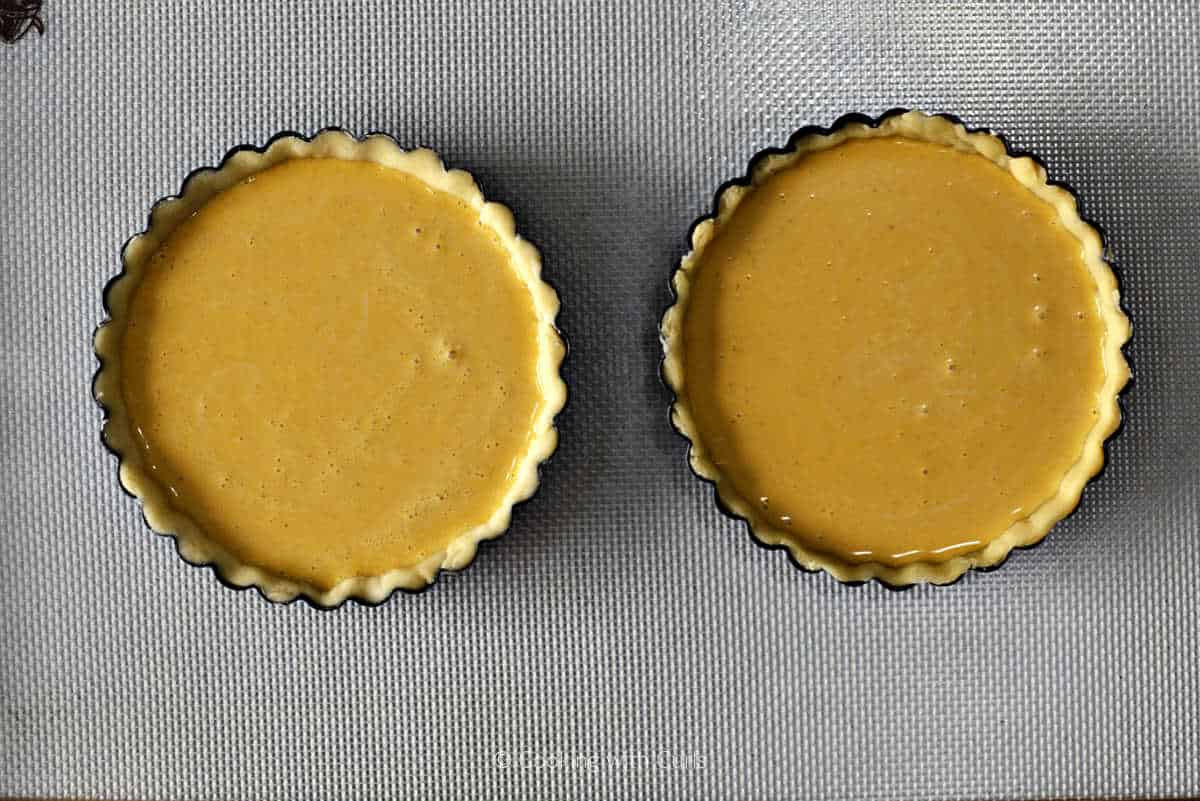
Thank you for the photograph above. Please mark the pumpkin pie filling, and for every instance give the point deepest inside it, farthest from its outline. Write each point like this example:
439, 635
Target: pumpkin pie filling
332, 369
892, 352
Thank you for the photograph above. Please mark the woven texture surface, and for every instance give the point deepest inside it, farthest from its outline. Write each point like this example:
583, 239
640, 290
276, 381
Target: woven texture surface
624, 639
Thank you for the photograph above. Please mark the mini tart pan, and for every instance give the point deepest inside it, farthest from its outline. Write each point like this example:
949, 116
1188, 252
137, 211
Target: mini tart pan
1029, 170
199, 187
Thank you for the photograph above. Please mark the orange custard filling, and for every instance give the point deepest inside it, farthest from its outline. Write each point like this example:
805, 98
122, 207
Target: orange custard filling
332, 369
892, 351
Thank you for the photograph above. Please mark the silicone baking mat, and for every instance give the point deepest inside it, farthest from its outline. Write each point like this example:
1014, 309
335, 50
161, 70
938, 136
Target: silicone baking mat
624, 639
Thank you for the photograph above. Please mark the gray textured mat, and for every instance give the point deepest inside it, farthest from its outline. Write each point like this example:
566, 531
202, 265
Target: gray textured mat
624, 639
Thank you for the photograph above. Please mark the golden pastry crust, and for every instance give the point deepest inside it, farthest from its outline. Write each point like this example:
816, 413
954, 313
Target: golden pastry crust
946, 131
192, 543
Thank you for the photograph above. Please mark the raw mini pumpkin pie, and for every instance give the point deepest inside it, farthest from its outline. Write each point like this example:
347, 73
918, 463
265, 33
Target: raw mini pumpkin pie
331, 368
896, 350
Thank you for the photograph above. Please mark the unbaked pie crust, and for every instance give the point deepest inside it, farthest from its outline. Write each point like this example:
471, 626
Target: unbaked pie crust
949, 132
200, 187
